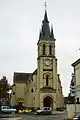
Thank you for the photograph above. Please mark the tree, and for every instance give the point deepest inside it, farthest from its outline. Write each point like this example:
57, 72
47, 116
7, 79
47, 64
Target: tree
71, 96
73, 85
4, 90
71, 99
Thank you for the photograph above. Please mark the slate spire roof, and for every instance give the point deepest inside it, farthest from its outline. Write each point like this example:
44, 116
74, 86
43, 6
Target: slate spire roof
52, 34
45, 17
45, 32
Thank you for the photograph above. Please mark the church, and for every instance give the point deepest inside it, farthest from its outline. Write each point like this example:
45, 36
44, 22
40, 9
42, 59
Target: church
42, 88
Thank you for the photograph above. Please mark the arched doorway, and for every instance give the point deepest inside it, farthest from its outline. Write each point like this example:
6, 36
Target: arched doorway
48, 102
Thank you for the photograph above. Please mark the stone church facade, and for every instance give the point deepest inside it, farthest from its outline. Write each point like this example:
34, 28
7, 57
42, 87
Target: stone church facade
42, 88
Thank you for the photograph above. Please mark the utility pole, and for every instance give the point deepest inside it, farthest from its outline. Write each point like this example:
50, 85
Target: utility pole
75, 89
75, 104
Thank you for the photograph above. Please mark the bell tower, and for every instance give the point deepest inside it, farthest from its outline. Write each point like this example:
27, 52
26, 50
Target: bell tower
46, 65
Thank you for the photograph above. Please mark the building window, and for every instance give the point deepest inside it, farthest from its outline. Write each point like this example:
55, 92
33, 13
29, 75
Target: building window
13, 93
44, 33
50, 50
32, 90
43, 49
78, 100
29, 81
47, 78
34, 98
32, 79
13, 84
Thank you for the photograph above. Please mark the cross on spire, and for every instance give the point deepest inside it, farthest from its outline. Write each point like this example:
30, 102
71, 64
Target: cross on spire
45, 5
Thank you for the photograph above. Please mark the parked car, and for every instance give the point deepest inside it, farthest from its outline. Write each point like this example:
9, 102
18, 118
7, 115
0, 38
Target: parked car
7, 109
77, 117
17, 107
44, 111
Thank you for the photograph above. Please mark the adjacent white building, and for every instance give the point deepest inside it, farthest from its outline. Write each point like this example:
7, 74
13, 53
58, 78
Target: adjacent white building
74, 109
76, 66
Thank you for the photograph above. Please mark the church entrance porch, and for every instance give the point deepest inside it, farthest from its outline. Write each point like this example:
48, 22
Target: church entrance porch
48, 102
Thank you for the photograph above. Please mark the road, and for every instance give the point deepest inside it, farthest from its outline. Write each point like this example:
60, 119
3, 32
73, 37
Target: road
47, 117
58, 116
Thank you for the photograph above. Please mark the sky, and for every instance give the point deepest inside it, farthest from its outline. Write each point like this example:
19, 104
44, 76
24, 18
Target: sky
20, 23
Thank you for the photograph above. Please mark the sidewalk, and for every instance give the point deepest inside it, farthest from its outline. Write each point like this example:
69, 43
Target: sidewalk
61, 113
9, 117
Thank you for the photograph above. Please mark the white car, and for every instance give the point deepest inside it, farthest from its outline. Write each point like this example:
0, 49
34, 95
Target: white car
44, 111
77, 117
7, 109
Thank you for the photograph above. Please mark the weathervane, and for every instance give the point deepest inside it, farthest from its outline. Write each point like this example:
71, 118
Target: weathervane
45, 5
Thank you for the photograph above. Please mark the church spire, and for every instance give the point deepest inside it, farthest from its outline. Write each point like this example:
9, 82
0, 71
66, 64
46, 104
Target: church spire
45, 32
52, 35
39, 35
45, 17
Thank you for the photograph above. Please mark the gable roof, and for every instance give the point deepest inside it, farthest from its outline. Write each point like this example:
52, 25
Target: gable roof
35, 72
76, 62
21, 77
